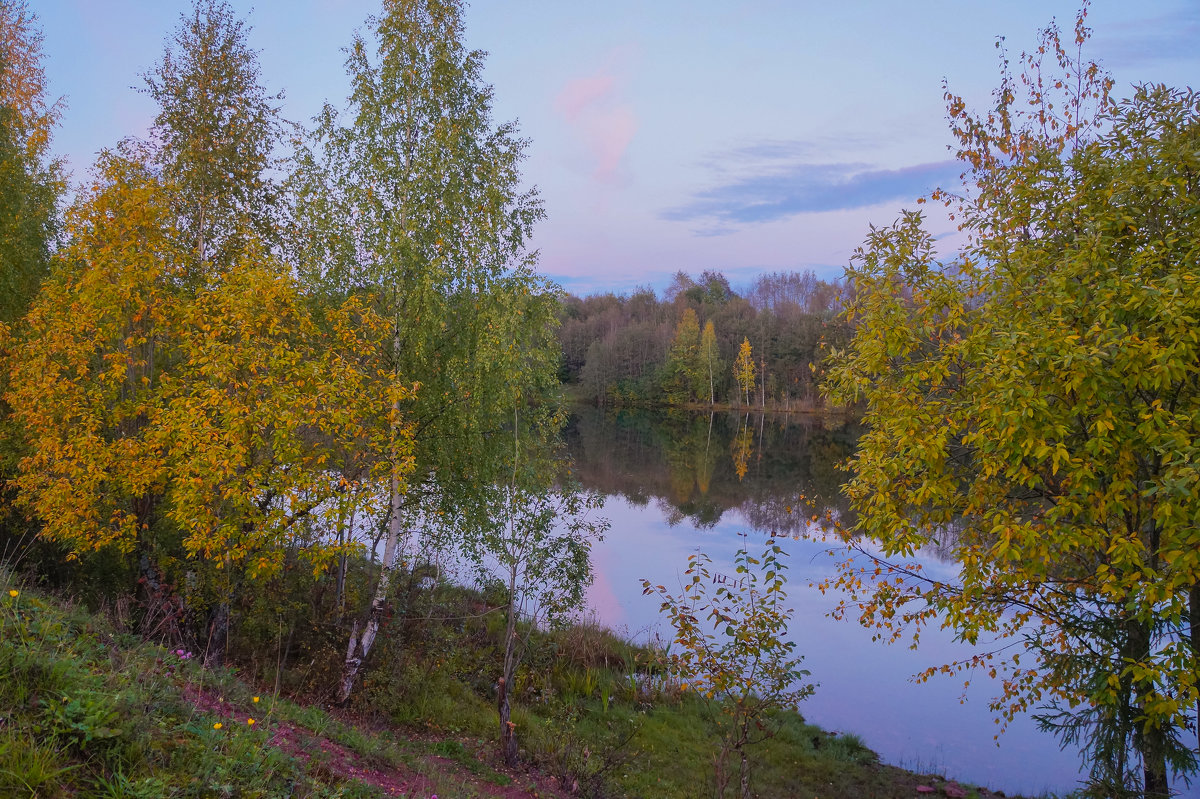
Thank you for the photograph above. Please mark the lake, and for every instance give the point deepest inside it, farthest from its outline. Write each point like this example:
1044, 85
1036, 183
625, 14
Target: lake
678, 483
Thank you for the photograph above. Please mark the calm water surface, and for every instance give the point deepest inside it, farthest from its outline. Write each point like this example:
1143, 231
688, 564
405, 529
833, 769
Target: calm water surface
678, 484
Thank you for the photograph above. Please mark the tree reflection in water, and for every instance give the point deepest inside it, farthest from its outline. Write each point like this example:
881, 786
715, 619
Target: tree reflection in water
778, 470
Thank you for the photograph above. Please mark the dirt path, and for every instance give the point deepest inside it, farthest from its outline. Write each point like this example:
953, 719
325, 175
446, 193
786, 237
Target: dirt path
333, 763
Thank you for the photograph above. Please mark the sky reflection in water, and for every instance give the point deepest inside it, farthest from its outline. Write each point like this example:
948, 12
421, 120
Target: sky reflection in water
653, 471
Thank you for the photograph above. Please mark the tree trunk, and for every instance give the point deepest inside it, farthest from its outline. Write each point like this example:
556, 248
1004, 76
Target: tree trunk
1157, 786
1148, 739
218, 636
508, 730
1154, 747
360, 647
720, 772
762, 380
1194, 603
712, 392
200, 240
161, 611
344, 536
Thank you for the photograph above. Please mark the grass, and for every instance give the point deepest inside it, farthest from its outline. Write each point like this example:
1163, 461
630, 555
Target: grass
597, 713
86, 711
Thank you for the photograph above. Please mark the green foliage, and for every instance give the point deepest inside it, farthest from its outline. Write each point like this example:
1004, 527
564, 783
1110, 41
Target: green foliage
683, 373
214, 134
33, 767
1032, 410
439, 250
732, 652
30, 182
541, 548
440, 244
82, 719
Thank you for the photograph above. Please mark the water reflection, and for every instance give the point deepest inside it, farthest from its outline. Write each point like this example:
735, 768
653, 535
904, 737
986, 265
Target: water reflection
777, 471
684, 482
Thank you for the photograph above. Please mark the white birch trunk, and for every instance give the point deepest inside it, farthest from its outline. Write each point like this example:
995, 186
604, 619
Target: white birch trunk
360, 646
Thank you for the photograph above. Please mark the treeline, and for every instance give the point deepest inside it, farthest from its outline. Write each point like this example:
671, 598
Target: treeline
243, 349
703, 343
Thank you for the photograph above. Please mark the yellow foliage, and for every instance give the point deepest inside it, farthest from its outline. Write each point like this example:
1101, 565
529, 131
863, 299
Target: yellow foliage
218, 410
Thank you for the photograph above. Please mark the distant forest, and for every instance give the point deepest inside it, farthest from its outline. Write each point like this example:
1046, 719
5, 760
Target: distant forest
702, 343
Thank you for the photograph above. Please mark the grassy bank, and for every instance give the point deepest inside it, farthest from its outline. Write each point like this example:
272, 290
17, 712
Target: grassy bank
87, 710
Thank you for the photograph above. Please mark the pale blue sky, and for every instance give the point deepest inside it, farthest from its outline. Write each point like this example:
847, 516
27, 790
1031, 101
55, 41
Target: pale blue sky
665, 135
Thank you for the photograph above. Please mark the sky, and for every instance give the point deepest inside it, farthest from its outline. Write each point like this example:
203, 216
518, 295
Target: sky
665, 135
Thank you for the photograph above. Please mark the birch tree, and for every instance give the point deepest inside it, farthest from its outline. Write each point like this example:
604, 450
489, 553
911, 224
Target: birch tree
30, 180
711, 359
744, 370
412, 198
214, 134
540, 548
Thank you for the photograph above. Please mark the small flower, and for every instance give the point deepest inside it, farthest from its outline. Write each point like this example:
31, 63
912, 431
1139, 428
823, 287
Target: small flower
218, 726
249, 722
255, 700
14, 593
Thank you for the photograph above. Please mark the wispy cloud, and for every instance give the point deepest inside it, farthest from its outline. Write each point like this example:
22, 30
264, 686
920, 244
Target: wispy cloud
1166, 36
770, 153
592, 105
791, 189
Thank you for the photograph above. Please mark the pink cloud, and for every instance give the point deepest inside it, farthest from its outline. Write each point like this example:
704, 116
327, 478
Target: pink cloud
609, 137
580, 93
601, 120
